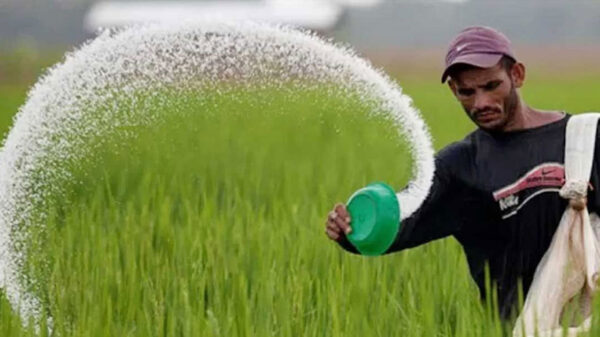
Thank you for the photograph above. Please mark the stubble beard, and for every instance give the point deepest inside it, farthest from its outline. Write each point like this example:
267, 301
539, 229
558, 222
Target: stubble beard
509, 108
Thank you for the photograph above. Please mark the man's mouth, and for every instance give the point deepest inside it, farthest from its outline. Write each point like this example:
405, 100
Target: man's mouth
486, 116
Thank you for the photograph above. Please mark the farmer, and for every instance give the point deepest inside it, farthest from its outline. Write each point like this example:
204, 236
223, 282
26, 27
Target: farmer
495, 191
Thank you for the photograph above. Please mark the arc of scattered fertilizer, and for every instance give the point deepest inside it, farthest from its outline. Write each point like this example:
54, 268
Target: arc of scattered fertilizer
52, 125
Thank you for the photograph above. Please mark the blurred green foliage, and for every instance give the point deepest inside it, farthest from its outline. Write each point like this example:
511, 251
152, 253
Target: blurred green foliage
211, 223
21, 66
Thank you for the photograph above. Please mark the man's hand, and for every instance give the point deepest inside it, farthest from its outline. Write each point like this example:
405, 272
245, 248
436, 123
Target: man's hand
338, 223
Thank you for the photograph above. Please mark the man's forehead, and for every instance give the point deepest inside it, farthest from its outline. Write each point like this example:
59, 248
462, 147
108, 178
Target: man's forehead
478, 76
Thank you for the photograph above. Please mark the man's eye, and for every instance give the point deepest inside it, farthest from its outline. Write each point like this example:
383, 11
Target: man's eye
466, 92
492, 85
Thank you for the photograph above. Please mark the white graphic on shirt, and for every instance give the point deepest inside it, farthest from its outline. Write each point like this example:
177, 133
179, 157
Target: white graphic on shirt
546, 177
511, 200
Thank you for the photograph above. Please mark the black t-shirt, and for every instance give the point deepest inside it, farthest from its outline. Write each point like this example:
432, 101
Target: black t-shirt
497, 194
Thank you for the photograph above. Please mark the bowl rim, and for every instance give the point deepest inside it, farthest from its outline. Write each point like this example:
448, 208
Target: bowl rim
378, 241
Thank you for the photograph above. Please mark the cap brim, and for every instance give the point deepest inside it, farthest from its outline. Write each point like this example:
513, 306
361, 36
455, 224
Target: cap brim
477, 60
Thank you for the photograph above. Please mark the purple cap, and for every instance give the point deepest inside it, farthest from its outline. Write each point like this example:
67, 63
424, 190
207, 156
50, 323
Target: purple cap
479, 46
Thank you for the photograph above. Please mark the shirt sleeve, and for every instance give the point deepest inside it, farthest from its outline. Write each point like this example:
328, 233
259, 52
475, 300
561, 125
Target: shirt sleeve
436, 218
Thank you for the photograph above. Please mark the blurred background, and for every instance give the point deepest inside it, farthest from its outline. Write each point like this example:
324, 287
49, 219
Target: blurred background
558, 40
399, 35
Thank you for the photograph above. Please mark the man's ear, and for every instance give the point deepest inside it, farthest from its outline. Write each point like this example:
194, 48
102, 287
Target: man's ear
517, 73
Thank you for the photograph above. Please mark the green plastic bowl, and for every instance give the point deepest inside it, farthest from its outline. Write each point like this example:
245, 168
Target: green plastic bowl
375, 218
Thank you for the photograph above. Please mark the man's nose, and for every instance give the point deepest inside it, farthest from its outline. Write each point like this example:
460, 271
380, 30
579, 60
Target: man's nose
482, 101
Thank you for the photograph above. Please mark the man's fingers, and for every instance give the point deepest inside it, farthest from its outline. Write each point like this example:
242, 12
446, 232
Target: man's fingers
343, 225
338, 222
332, 219
335, 220
342, 218
341, 210
332, 226
332, 235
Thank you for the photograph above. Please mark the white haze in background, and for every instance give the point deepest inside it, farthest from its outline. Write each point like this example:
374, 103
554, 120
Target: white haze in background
316, 15
348, 3
85, 98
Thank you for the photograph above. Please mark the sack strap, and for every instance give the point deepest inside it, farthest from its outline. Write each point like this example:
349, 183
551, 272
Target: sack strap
579, 157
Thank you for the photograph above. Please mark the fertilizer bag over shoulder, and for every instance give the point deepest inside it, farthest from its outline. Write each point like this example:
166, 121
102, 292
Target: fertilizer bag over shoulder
567, 274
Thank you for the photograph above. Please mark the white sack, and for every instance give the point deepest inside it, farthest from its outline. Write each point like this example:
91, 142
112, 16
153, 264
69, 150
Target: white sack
569, 270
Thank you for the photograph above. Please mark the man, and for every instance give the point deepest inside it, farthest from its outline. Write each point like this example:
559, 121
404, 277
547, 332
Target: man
496, 191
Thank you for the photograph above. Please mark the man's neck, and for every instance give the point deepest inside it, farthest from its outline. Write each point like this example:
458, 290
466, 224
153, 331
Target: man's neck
526, 117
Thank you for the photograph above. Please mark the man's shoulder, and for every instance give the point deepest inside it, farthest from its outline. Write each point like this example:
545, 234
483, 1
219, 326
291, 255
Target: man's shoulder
458, 150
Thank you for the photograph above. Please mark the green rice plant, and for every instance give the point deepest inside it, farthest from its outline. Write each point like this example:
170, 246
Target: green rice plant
211, 223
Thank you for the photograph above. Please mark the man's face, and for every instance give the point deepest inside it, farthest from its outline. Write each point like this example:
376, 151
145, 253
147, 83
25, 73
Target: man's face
488, 95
